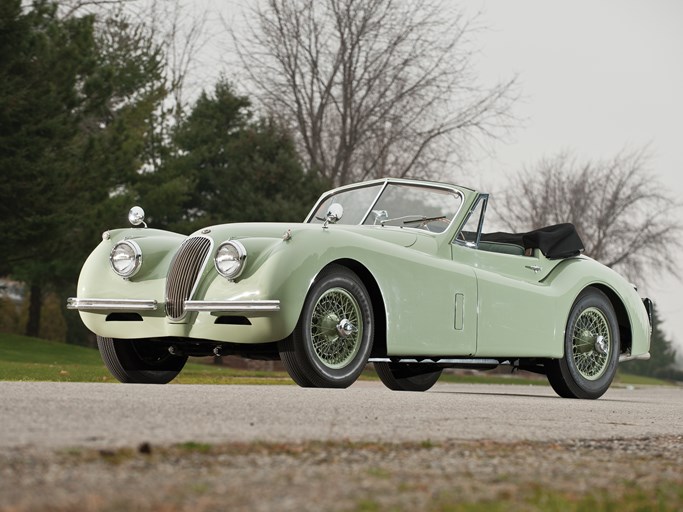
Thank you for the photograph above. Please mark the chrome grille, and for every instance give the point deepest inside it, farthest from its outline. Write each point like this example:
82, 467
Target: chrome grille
183, 274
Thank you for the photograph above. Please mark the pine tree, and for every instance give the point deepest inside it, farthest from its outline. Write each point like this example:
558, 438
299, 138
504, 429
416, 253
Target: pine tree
662, 362
243, 169
75, 107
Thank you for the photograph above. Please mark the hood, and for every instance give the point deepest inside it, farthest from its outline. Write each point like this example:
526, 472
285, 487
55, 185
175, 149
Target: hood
277, 230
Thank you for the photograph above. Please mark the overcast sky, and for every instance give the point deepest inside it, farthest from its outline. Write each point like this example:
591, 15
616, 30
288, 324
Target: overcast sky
595, 77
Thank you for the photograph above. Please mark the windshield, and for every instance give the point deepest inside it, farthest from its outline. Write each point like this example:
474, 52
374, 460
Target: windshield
398, 204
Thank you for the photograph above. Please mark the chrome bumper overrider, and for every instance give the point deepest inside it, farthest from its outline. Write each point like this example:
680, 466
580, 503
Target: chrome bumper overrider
218, 306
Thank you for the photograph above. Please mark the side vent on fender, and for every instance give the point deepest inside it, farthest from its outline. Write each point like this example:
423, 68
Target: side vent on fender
459, 313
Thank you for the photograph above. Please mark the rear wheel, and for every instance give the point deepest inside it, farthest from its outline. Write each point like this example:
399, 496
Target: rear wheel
140, 361
591, 349
332, 341
408, 376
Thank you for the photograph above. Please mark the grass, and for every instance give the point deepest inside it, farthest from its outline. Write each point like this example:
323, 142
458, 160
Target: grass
24, 358
379, 481
31, 359
665, 497
627, 379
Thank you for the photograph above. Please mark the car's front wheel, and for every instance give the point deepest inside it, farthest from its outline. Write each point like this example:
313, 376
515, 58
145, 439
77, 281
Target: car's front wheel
140, 361
591, 349
408, 376
332, 341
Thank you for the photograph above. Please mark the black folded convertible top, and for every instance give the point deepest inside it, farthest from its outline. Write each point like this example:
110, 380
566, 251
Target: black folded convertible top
555, 242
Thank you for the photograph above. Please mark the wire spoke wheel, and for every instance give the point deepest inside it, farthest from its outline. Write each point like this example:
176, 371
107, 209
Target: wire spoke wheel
332, 341
591, 348
336, 328
591, 343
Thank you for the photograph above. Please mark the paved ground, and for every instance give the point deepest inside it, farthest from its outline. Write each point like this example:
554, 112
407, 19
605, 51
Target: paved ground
176, 448
59, 415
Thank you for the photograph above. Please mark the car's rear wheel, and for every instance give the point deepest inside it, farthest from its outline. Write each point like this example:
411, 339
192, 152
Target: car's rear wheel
408, 376
332, 341
140, 361
591, 349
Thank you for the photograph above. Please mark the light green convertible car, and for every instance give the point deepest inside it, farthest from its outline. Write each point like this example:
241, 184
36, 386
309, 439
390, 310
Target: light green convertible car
394, 272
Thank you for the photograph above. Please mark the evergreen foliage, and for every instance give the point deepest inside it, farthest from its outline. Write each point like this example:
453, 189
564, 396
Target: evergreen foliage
85, 134
662, 362
76, 99
242, 169
43, 73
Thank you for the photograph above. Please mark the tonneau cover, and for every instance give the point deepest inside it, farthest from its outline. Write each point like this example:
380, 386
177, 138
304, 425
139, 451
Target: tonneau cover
555, 242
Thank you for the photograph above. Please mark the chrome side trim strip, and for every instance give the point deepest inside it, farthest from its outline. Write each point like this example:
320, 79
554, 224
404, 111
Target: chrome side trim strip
476, 361
111, 304
232, 306
629, 357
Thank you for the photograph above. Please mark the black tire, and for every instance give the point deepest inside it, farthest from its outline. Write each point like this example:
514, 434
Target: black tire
591, 349
140, 361
408, 376
318, 354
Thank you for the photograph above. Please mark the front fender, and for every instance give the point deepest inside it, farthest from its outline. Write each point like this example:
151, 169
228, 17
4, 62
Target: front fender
285, 270
97, 279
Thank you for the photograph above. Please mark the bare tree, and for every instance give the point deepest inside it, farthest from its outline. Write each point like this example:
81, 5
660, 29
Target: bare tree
72, 8
623, 214
181, 28
371, 87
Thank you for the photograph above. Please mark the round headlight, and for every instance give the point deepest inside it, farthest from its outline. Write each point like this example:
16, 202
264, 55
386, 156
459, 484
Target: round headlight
126, 258
230, 259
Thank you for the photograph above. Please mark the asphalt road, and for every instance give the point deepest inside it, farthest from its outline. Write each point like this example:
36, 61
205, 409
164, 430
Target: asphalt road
60, 415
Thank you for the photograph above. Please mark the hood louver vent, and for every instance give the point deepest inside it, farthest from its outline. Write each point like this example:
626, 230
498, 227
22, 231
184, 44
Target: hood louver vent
183, 274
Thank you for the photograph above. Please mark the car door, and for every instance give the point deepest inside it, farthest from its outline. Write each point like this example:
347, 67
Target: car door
515, 306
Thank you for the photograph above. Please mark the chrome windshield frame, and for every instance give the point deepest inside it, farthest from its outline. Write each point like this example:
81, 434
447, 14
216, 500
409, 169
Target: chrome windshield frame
385, 182
374, 202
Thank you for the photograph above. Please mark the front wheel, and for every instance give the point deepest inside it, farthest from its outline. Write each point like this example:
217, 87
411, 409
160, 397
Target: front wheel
408, 376
332, 341
140, 361
591, 349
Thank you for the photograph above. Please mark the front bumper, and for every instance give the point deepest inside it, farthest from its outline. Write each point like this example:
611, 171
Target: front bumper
111, 304
263, 320
212, 306
233, 306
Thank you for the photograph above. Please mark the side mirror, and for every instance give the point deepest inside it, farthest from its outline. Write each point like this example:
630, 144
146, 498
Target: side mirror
136, 216
380, 216
334, 214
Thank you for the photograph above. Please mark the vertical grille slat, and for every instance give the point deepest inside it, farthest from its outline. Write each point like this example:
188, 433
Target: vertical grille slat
183, 274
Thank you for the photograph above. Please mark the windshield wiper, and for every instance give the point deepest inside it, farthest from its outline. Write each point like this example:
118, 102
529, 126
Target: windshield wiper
426, 219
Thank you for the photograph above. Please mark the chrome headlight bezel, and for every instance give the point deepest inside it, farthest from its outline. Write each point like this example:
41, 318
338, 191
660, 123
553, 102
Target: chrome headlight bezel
230, 259
135, 259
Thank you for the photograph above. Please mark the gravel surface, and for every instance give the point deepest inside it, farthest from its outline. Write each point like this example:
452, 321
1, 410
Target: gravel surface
329, 476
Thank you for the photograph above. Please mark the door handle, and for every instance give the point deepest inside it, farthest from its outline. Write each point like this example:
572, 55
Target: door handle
535, 268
